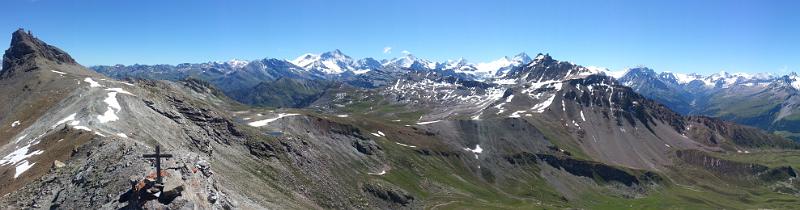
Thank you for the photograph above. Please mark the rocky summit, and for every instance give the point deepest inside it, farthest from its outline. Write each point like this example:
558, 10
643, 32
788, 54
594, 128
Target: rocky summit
24, 48
332, 132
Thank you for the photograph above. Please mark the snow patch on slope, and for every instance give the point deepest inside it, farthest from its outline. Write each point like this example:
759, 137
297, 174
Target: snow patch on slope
22, 167
405, 145
379, 173
113, 107
91, 82
62, 121
331, 66
264, 122
541, 107
478, 150
582, 117
18, 158
427, 122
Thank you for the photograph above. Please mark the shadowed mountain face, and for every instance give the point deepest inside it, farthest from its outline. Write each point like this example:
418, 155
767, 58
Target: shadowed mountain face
545, 134
283, 92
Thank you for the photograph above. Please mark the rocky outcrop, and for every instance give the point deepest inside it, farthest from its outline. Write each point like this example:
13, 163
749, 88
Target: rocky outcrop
202, 124
366, 147
262, 149
24, 48
629, 107
389, 194
737, 134
202, 86
593, 170
736, 170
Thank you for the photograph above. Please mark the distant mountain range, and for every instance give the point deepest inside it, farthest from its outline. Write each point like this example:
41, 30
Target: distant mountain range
239, 78
763, 100
333, 64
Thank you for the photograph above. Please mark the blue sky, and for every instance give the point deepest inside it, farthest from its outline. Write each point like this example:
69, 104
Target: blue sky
682, 36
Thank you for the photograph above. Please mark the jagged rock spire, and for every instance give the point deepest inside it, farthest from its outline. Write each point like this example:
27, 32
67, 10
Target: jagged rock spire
25, 47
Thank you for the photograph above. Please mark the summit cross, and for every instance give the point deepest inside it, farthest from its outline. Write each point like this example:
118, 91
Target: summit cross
157, 156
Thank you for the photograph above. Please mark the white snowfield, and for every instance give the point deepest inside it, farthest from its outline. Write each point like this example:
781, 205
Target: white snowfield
428, 122
582, 116
91, 82
379, 134
405, 145
113, 104
66, 119
80, 127
264, 122
119, 90
516, 114
21, 138
795, 82
541, 107
18, 159
22, 167
478, 150
379, 173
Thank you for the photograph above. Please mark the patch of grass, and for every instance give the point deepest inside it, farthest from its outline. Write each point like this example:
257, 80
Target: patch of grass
446, 183
789, 135
769, 158
696, 189
557, 137
377, 107
744, 109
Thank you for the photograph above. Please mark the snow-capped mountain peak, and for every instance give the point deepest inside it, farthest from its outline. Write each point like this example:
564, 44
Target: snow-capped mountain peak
522, 58
305, 59
335, 55
230, 64
456, 64
605, 71
541, 57
681, 78
615, 74
405, 61
236, 63
333, 62
409, 61
501, 66
365, 65
724, 79
495, 65
795, 80
716, 81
